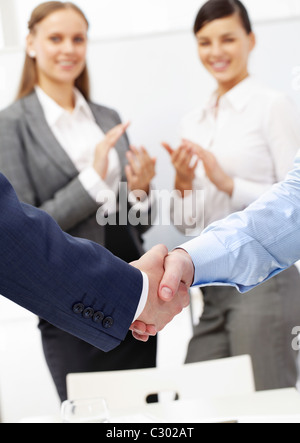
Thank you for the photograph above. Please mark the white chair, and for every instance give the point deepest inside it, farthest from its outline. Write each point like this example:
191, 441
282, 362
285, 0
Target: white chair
130, 389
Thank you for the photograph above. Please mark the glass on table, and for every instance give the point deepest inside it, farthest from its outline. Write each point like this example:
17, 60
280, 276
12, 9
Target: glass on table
92, 410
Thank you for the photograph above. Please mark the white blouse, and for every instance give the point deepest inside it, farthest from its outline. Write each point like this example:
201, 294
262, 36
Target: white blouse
255, 136
79, 134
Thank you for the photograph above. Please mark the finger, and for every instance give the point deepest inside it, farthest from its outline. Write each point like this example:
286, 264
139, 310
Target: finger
134, 164
168, 148
156, 255
116, 133
130, 177
184, 157
140, 157
143, 160
188, 157
187, 142
184, 295
148, 166
139, 327
151, 330
144, 156
196, 148
126, 125
195, 165
134, 149
128, 172
145, 152
199, 151
130, 157
177, 155
139, 337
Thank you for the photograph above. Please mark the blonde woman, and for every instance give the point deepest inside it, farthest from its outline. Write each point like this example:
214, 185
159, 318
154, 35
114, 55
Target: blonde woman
61, 151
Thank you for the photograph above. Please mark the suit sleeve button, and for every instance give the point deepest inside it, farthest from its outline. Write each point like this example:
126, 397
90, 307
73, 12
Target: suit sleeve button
78, 308
98, 317
108, 322
88, 313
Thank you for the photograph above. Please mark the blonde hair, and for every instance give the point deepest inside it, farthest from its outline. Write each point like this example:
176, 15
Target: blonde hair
29, 76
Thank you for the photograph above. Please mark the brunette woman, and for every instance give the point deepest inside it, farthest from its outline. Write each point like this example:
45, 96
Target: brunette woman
234, 148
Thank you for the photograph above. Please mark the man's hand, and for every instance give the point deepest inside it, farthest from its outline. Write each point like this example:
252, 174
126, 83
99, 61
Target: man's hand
213, 169
158, 312
179, 274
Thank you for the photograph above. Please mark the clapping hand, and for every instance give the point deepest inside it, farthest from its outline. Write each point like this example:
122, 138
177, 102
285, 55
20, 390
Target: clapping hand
183, 160
185, 164
102, 150
140, 169
213, 169
170, 276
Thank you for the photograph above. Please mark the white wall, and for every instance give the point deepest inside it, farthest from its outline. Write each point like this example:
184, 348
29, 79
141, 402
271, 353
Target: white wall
119, 18
154, 80
151, 80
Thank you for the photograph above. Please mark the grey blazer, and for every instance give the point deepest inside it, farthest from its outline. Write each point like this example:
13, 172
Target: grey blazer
44, 176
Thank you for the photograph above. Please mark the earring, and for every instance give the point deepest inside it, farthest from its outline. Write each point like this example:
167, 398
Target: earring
32, 54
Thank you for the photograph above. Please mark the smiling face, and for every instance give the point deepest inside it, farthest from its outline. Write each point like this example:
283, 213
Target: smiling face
59, 43
224, 48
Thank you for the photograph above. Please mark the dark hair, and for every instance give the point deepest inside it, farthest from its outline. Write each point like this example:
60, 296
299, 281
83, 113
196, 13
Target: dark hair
29, 75
216, 9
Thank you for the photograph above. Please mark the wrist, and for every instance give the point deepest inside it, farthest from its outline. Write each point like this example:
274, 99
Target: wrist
183, 186
137, 191
228, 186
100, 172
188, 265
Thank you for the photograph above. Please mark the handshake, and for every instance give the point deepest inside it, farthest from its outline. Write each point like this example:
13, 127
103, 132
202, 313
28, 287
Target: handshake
170, 277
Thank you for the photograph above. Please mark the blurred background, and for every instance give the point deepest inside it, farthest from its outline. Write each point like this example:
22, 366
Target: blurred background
143, 62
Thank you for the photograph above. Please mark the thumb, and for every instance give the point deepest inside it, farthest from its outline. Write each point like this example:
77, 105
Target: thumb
167, 148
115, 133
171, 280
160, 250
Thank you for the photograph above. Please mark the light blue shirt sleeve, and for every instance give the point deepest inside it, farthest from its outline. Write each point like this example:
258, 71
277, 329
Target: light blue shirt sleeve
250, 247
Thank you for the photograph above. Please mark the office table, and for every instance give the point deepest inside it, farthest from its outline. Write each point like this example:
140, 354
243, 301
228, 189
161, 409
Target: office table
279, 406
269, 406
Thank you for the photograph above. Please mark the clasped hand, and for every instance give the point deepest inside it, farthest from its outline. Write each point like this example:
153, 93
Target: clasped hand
185, 160
170, 277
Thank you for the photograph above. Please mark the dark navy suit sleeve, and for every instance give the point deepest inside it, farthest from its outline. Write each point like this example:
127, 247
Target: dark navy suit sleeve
75, 284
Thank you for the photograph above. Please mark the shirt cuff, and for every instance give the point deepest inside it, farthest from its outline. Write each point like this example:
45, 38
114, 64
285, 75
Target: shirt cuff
92, 182
144, 297
210, 260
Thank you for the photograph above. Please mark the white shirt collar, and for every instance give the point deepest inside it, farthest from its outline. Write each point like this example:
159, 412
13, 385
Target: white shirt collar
238, 97
53, 112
